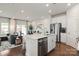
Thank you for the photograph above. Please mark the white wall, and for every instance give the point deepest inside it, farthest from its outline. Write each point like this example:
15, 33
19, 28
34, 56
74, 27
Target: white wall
61, 19
73, 25
45, 25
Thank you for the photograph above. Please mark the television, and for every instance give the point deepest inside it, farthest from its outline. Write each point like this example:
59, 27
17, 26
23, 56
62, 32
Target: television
63, 30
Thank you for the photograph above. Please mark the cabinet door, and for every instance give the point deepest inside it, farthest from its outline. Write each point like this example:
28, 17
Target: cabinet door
53, 41
50, 44
31, 47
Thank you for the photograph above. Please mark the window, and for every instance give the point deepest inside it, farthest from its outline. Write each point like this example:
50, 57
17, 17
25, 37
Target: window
21, 26
4, 28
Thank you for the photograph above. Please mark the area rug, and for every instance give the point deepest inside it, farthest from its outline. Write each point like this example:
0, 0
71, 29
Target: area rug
6, 45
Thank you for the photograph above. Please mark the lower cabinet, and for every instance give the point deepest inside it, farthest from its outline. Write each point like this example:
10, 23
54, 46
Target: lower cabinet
51, 42
40, 46
36, 47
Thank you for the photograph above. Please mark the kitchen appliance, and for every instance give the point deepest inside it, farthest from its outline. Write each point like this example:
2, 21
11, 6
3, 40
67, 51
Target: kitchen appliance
42, 46
56, 29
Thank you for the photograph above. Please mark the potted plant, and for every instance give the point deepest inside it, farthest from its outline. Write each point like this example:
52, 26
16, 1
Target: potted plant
31, 29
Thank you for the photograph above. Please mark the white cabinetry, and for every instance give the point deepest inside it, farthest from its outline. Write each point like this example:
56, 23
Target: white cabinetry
51, 42
63, 37
34, 47
31, 47
35, 44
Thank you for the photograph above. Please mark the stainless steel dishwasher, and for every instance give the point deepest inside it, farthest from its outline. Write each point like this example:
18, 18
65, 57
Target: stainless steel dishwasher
42, 46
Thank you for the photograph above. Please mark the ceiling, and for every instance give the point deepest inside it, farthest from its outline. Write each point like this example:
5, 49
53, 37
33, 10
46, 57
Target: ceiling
31, 11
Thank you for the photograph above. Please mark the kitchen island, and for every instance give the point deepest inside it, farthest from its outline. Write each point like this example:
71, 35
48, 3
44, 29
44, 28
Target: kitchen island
37, 45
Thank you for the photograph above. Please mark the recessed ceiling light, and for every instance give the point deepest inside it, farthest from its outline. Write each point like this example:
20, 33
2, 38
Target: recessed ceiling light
47, 5
69, 4
27, 17
50, 11
22, 11
1, 11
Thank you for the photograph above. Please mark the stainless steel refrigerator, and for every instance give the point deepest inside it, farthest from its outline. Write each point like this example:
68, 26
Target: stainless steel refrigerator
56, 29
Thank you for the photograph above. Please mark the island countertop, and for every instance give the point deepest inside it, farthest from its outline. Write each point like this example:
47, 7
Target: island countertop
35, 36
32, 43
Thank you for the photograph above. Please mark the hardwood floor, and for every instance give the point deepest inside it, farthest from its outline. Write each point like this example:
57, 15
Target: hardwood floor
18, 51
63, 50
60, 50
